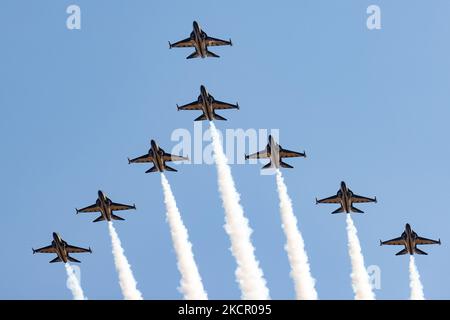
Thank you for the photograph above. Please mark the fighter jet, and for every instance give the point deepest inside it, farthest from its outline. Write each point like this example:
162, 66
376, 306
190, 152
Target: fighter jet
346, 198
275, 153
200, 41
62, 250
105, 206
410, 240
207, 104
159, 157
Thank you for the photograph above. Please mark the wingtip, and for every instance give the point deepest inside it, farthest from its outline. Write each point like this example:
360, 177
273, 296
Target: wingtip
134, 206
34, 251
376, 199
246, 157
317, 201
76, 211
304, 154
129, 160
178, 107
170, 45
439, 241
90, 250
381, 243
237, 106
231, 42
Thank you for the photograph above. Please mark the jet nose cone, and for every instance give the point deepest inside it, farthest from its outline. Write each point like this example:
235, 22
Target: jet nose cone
100, 193
202, 88
408, 226
55, 235
195, 24
342, 183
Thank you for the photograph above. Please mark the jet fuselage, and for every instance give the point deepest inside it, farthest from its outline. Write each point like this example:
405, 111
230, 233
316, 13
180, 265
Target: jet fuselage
207, 103
105, 205
199, 40
158, 160
60, 247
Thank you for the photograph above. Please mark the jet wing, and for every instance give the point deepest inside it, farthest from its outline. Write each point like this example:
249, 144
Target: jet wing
360, 199
258, 155
196, 105
47, 249
420, 240
183, 43
219, 105
290, 154
210, 41
394, 242
172, 157
92, 208
142, 159
73, 249
118, 206
332, 199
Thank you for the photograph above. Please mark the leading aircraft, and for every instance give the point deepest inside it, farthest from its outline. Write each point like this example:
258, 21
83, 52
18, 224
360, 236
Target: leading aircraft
158, 157
275, 153
200, 41
208, 105
105, 206
346, 198
62, 250
410, 240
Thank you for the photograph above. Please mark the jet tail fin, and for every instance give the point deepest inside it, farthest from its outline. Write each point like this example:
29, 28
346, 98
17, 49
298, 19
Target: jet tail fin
402, 252
418, 251
73, 259
285, 165
217, 117
57, 259
211, 54
201, 118
193, 55
114, 217
167, 168
356, 210
101, 218
152, 169
338, 210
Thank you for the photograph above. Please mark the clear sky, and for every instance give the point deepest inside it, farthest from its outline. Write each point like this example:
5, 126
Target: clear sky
369, 107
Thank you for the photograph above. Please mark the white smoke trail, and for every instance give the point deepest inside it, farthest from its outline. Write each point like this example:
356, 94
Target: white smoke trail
126, 278
73, 284
248, 273
295, 246
360, 279
191, 282
415, 284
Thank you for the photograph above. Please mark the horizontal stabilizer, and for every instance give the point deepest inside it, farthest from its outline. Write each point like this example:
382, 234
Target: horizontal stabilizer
402, 252
114, 217
217, 117
167, 168
357, 210
338, 210
193, 55
57, 259
101, 218
211, 54
152, 169
73, 259
268, 166
418, 251
201, 118
285, 165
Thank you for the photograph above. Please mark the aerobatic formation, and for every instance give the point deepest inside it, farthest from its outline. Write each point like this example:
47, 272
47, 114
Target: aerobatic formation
249, 274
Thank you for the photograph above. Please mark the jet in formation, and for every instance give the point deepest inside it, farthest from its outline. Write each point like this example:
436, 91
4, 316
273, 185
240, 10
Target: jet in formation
158, 157
199, 40
275, 153
410, 240
208, 105
62, 250
346, 198
105, 206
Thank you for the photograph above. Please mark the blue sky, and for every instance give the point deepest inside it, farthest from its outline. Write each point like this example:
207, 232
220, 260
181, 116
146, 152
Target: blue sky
369, 107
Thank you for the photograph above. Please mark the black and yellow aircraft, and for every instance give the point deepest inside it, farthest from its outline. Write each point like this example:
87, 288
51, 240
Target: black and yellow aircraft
346, 198
62, 250
105, 206
410, 240
199, 40
275, 153
208, 105
158, 157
